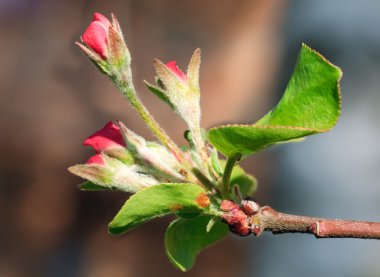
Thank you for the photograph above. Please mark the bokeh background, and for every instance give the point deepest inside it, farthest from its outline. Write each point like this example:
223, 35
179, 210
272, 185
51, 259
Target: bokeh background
52, 97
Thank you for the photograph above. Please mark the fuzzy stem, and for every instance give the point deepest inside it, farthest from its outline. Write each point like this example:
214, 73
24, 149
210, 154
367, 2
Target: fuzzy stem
225, 188
268, 219
200, 147
126, 87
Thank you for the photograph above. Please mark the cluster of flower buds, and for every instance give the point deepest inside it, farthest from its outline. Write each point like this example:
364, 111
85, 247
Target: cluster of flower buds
237, 220
241, 219
125, 161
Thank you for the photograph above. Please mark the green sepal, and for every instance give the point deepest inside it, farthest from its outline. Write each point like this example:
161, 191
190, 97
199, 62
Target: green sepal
160, 93
119, 57
90, 186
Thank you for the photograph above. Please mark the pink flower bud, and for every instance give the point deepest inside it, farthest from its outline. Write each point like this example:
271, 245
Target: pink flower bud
173, 67
96, 159
102, 19
107, 138
96, 34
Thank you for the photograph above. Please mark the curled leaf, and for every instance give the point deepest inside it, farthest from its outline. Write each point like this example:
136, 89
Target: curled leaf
310, 105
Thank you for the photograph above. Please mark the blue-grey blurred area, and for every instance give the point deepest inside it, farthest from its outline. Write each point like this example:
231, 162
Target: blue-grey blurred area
336, 174
52, 98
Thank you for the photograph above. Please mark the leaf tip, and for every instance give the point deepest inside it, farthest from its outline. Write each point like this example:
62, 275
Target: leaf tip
113, 229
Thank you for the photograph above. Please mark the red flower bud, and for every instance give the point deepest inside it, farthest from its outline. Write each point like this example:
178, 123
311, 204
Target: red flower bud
102, 19
96, 159
228, 206
106, 138
96, 35
173, 67
237, 220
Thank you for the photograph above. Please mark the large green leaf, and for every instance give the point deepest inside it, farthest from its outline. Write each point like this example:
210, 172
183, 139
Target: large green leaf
310, 105
156, 201
185, 238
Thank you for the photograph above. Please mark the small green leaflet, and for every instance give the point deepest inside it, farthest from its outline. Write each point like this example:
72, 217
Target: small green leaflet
160, 93
156, 201
185, 238
246, 182
310, 105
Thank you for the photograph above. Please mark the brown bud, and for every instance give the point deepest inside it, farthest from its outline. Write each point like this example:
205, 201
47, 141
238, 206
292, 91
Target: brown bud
250, 207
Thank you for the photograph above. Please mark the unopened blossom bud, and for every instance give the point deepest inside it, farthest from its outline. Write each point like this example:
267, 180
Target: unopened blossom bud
172, 65
96, 159
109, 140
96, 35
155, 158
111, 173
104, 44
107, 137
183, 93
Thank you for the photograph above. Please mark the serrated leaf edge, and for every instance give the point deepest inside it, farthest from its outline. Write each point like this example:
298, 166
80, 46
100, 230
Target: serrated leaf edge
139, 222
298, 128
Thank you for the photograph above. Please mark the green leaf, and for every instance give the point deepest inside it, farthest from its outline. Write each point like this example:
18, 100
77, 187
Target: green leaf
156, 201
246, 182
90, 186
310, 105
185, 238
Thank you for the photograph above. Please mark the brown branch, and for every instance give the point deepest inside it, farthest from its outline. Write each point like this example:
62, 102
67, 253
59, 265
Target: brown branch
268, 219
249, 217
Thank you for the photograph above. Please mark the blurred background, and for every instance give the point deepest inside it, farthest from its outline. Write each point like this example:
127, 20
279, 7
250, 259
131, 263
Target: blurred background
52, 98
